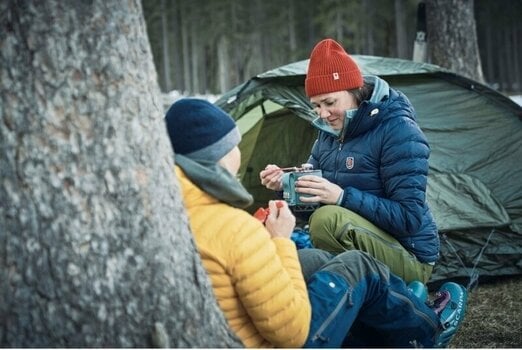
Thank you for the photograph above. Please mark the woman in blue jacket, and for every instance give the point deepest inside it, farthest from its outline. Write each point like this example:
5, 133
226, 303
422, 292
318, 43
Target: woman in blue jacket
374, 161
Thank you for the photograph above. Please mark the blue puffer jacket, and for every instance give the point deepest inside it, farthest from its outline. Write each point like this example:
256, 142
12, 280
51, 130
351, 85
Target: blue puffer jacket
381, 161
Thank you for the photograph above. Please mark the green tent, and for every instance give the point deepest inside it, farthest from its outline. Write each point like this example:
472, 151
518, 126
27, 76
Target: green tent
475, 180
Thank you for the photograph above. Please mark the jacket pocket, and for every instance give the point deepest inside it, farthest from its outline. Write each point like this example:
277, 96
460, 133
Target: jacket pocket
332, 314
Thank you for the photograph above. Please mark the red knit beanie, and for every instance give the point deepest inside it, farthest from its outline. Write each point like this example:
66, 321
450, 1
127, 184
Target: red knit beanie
331, 69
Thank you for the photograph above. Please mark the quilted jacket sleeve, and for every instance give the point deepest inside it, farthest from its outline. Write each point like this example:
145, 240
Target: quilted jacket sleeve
268, 280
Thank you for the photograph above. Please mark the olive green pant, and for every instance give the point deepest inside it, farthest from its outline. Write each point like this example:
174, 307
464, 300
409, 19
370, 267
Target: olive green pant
337, 229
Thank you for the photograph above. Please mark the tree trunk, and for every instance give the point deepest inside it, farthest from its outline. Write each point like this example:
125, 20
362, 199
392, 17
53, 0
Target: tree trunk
489, 54
452, 37
502, 61
400, 29
265, 49
165, 47
420, 49
292, 37
185, 37
95, 248
174, 39
339, 23
223, 64
236, 60
517, 69
194, 59
369, 42
508, 45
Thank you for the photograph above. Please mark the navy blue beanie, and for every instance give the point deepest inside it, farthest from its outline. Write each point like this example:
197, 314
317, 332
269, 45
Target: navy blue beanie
200, 130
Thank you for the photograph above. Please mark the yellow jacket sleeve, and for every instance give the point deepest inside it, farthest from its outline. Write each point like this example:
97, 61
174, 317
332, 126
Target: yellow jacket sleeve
269, 282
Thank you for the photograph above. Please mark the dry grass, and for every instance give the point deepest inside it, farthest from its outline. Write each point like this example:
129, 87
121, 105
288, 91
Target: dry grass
494, 316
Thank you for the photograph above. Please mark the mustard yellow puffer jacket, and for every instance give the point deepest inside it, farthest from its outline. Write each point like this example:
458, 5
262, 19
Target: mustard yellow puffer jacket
257, 280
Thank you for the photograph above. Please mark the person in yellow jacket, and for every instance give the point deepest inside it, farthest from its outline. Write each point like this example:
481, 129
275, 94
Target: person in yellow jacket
254, 270
271, 294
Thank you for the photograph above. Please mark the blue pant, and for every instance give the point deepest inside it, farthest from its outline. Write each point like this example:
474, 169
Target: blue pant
357, 302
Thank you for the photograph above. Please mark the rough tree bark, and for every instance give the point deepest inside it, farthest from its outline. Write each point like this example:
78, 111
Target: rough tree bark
95, 249
452, 37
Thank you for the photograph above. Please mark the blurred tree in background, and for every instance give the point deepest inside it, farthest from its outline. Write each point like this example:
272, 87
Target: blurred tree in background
499, 30
211, 46
453, 37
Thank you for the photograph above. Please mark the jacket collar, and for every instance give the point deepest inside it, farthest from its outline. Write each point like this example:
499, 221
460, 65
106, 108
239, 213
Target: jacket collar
215, 180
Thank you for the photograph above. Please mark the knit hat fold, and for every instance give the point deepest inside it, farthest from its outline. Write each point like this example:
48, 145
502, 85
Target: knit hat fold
331, 69
217, 150
200, 130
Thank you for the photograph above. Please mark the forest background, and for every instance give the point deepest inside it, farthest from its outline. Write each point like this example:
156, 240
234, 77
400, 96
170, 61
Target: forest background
95, 246
208, 47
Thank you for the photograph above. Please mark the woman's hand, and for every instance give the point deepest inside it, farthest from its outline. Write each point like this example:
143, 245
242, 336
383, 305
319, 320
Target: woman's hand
319, 189
280, 222
272, 177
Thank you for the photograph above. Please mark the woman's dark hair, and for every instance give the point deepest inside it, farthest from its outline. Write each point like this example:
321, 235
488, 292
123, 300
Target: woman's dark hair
363, 93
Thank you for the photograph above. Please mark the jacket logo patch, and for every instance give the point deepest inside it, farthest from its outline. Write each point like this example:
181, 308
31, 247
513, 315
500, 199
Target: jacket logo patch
349, 162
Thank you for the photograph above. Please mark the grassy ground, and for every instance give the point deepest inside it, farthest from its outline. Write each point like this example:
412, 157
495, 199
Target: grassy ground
494, 316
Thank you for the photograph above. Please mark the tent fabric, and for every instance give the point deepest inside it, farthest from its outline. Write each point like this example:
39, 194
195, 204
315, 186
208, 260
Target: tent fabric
475, 179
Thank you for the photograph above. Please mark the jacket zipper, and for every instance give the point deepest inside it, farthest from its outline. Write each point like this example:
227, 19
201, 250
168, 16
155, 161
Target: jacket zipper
330, 318
337, 159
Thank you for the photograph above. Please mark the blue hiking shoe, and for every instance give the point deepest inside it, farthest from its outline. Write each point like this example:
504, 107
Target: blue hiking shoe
419, 289
450, 305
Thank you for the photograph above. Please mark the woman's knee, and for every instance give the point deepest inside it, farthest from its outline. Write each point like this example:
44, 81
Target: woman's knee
327, 219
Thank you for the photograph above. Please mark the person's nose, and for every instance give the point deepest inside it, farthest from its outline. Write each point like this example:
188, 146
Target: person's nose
324, 113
